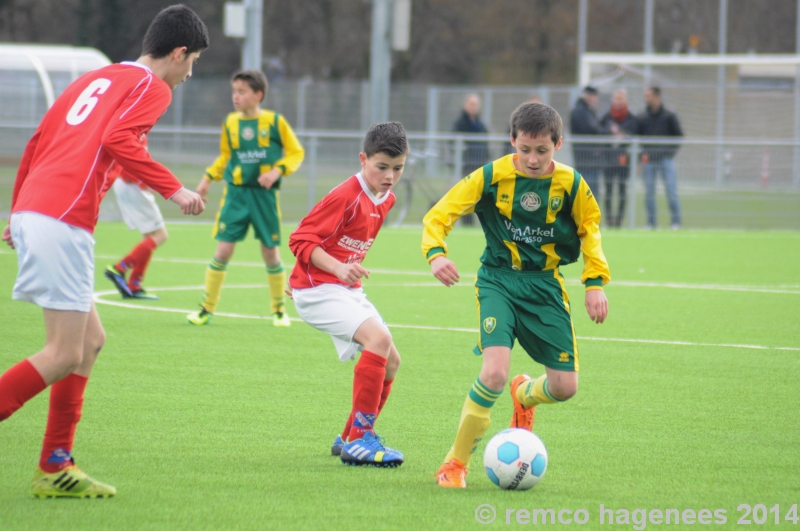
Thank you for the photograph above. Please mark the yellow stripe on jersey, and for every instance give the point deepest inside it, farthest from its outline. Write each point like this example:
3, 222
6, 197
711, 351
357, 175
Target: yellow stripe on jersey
552, 258
237, 175
516, 260
560, 186
505, 197
265, 120
232, 125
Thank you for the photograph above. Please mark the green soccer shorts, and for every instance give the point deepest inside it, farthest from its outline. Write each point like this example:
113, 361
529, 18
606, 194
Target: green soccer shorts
242, 206
529, 306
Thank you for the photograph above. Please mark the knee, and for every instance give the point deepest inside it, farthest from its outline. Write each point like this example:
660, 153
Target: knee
393, 362
380, 342
564, 390
92, 345
495, 378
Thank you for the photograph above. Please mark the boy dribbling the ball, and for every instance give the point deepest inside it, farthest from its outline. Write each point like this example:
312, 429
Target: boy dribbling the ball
537, 214
330, 244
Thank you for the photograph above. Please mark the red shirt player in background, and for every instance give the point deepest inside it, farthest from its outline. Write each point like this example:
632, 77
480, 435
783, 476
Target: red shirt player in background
330, 244
140, 212
98, 119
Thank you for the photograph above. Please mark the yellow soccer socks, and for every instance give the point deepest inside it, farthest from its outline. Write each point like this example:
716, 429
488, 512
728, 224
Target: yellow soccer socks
215, 277
474, 422
276, 276
535, 392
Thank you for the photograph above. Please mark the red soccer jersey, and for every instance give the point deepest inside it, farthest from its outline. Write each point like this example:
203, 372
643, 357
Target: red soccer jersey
344, 224
98, 119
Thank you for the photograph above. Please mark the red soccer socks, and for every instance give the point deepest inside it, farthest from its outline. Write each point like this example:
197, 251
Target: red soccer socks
66, 403
368, 379
19, 384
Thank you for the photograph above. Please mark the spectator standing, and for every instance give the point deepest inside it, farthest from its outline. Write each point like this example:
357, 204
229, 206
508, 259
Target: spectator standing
583, 120
656, 120
476, 152
618, 167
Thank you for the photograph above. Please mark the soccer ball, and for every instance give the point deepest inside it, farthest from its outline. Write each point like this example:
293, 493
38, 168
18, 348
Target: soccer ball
515, 459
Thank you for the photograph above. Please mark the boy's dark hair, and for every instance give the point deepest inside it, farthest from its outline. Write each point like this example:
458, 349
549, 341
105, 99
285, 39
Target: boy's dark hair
386, 137
255, 79
173, 27
536, 119
656, 90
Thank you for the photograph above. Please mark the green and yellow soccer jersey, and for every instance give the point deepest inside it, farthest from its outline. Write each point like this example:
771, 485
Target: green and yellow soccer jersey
250, 147
530, 224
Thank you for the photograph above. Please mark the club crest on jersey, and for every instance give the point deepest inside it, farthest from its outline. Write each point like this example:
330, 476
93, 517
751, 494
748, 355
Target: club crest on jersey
555, 203
489, 324
530, 201
247, 133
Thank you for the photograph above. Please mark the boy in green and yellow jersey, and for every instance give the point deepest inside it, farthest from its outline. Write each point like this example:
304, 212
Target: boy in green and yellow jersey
537, 214
257, 149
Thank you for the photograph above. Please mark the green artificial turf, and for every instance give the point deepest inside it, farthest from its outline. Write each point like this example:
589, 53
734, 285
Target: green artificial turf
688, 395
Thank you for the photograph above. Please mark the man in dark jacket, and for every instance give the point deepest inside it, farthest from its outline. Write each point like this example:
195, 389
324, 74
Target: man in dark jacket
658, 121
476, 153
589, 159
618, 167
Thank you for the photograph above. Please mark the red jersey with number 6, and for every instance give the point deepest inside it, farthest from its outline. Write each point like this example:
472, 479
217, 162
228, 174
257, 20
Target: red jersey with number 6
344, 224
98, 119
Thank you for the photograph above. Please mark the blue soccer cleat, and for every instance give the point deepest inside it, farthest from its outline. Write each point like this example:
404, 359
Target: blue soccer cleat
369, 450
336, 447
118, 279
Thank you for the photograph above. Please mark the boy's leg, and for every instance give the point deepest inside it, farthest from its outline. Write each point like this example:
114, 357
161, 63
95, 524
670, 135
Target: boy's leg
57, 475
66, 400
215, 277
475, 416
392, 364
276, 277
369, 375
141, 255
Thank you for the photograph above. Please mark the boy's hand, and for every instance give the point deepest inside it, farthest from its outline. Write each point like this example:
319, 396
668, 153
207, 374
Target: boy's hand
351, 273
7, 236
596, 305
268, 179
191, 203
202, 187
444, 270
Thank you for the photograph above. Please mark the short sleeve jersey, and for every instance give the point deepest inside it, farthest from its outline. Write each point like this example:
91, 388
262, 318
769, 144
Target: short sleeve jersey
100, 118
345, 224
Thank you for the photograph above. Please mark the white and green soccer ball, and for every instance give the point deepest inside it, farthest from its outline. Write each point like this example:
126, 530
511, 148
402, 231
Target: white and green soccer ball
515, 459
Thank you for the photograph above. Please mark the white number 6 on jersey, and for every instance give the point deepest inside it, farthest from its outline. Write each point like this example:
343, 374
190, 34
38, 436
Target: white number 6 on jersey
86, 101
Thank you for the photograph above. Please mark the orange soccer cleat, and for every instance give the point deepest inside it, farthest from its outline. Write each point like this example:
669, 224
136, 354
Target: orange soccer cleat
523, 416
452, 474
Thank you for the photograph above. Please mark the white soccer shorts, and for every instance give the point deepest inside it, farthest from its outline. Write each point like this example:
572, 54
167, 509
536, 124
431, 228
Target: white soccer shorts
56, 263
338, 311
138, 207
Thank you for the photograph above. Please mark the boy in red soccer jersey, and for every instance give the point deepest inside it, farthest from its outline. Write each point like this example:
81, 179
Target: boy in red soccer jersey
100, 118
330, 244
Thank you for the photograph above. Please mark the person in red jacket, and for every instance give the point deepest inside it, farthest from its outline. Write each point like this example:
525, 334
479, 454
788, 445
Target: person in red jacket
102, 117
330, 243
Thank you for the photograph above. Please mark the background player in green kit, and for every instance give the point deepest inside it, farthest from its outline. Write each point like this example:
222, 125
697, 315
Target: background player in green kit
537, 214
257, 149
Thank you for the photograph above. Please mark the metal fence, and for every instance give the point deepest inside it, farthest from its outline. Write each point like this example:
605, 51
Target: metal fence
759, 188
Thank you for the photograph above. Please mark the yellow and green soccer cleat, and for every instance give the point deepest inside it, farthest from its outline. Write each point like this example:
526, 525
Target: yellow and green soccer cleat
200, 317
71, 482
280, 319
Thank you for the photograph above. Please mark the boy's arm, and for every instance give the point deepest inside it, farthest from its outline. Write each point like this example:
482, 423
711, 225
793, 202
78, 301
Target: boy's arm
319, 225
439, 221
347, 273
216, 171
120, 138
293, 152
25, 165
586, 214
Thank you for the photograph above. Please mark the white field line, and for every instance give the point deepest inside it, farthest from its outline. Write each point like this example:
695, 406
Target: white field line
98, 299
784, 289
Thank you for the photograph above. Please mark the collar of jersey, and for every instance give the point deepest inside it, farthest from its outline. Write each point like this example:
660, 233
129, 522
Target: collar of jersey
365, 188
134, 63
